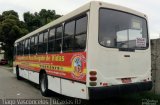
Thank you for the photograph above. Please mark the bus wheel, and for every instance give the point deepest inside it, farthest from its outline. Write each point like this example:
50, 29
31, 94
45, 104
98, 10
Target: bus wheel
17, 73
44, 85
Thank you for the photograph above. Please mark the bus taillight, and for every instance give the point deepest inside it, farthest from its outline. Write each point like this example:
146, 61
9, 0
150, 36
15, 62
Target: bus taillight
93, 73
93, 83
93, 78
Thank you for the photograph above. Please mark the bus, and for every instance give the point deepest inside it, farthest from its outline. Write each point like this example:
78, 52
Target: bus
96, 51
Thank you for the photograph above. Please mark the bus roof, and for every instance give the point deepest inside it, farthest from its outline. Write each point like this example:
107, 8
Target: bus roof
78, 11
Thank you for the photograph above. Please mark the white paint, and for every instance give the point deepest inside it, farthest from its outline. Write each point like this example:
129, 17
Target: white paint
34, 77
25, 74
29, 75
54, 84
110, 63
21, 72
74, 89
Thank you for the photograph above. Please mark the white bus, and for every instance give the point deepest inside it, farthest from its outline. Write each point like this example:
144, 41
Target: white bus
97, 50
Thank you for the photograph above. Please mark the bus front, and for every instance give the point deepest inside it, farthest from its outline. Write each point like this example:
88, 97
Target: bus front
119, 61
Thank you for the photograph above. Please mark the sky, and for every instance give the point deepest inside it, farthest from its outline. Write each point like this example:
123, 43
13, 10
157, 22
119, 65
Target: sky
150, 7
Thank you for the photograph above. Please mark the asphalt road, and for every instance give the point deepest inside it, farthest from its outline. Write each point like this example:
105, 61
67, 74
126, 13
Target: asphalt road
11, 88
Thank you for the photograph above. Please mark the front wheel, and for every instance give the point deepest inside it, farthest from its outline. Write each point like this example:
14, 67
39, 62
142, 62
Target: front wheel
44, 85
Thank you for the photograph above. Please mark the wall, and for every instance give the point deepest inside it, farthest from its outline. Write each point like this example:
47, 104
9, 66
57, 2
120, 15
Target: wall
1, 56
155, 57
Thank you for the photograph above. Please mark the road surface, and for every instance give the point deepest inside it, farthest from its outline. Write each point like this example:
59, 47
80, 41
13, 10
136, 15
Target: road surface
11, 88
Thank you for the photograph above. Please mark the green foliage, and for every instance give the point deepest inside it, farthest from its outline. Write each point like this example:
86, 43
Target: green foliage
36, 20
10, 12
11, 28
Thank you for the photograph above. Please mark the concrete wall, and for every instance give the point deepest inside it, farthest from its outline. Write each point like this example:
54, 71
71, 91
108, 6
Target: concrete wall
1, 52
1, 56
155, 57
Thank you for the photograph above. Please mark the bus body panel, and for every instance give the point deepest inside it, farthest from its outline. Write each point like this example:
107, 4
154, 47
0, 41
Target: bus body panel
66, 65
34, 77
110, 63
69, 73
24, 73
74, 89
51, 84
64, 76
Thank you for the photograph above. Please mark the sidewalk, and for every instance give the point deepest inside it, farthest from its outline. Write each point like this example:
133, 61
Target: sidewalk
5, 67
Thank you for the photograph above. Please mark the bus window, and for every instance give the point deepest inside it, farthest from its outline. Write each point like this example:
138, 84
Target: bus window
40, 43
68, 36
58, 40
80, 42
45, 36
122, 30
35, 44
81, 25
51, 40
21, 48
81, 33
32, 45
26, 46
45, 41
18, 48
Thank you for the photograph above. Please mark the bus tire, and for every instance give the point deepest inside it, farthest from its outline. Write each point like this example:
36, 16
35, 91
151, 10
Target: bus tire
44, 85
17, 74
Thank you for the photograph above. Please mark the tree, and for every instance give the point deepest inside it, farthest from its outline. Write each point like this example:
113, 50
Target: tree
11, 28
36, 20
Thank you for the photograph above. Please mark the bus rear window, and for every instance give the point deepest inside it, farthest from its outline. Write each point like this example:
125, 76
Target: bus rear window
122, 30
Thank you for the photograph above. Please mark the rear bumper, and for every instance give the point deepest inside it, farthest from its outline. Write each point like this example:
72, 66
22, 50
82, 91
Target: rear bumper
110, 91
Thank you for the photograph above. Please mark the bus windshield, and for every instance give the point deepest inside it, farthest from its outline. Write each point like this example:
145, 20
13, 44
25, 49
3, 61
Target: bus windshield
122, 30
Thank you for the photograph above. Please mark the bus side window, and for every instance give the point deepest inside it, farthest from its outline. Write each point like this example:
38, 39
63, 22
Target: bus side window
58, 40
45, 44
32, 45
35, 44
21, 52
23, 47
81, 33
68, 37
17, 48
26, 46
40, 43
51, 40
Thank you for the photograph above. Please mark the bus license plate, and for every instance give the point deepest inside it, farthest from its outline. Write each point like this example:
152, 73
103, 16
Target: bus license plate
126, 80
